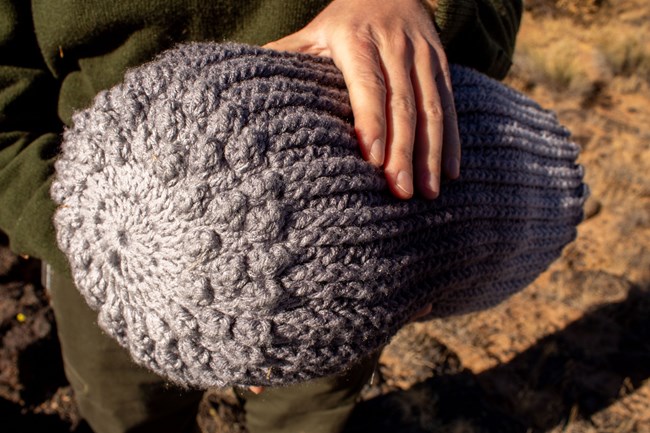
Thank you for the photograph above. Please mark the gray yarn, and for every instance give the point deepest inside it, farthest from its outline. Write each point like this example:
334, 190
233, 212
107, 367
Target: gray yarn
217, 213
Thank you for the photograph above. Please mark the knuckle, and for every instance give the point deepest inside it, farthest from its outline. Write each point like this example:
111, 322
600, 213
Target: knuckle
363, 37
361, 33
433, 111
422, 46
426, 50
372, 78
399, 45
404, 105
367, 71
363, 40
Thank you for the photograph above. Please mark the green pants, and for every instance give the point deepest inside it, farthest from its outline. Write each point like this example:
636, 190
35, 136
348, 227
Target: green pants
115, 395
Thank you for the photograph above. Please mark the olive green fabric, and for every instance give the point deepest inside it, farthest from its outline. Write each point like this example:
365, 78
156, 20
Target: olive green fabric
55, 55
318, 406
480, 34
113, 394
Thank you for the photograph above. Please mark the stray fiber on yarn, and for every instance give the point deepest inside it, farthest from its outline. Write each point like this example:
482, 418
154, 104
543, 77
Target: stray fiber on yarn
217, 213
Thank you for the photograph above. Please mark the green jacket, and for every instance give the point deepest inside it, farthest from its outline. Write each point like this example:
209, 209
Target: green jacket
55, 55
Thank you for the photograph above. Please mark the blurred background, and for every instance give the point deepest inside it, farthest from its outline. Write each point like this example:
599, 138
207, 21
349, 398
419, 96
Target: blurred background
571, 353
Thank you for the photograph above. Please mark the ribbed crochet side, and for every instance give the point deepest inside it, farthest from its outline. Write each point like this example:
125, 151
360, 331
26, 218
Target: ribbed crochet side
217, 213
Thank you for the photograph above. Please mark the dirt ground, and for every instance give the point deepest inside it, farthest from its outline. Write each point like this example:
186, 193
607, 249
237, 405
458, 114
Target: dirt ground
571, 353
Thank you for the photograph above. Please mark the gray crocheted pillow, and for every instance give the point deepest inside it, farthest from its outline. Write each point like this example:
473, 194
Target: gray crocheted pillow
217, 213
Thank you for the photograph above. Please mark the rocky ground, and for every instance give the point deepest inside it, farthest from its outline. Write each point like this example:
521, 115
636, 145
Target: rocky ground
571, 353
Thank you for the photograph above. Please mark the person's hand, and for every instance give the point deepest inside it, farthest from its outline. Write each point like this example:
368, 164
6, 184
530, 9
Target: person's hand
397, 75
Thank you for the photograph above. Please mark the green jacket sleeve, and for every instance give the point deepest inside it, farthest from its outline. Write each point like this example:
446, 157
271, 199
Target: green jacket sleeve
478, 33
29, 137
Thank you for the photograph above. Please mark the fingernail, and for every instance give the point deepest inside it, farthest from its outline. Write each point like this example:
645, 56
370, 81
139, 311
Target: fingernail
452, 167
405, 182
432, 184
377, 151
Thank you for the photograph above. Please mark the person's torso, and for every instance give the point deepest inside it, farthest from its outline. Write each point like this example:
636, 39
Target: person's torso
89, 44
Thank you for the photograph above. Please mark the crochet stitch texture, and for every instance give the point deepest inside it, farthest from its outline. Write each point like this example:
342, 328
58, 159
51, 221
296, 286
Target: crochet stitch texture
217, 213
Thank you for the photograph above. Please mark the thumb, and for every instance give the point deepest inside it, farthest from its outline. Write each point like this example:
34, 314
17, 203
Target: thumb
297, 42
293, 42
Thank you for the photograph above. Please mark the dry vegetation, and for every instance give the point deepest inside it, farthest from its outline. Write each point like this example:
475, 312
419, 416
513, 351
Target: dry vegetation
571, 353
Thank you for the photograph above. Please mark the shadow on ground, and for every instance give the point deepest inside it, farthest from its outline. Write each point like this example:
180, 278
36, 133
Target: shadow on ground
571, 374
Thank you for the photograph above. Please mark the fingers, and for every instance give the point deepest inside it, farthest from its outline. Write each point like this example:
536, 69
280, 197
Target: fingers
381, 95
404, 111
437, 141
399, 85
401, 114
428, 143
364, 77
451, 137
362, 70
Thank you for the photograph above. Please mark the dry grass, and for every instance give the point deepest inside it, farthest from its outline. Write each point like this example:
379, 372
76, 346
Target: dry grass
568, 58
626, 51
555, 67
550, 56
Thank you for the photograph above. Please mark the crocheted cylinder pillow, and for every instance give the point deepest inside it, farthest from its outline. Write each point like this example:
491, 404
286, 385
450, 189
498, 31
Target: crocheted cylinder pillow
217, 213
